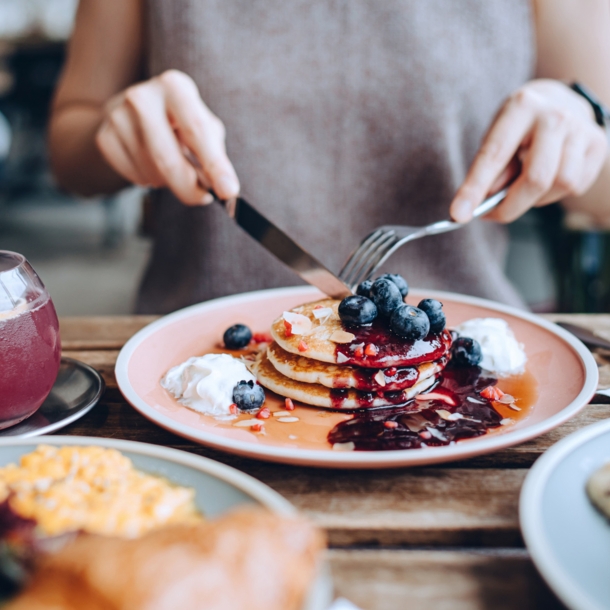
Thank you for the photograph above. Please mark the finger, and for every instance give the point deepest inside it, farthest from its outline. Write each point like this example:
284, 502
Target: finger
113, 151
499, 146
201, 131
570, 175
125, 124
540, 167
163, 146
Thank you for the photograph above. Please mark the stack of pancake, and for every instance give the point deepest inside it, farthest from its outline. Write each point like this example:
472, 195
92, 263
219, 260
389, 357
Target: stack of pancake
323, 363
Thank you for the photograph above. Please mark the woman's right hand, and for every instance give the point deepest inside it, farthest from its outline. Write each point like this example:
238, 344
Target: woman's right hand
146, 128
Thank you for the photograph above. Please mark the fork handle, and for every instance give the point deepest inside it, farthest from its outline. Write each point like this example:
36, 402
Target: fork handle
442, 226
490, 203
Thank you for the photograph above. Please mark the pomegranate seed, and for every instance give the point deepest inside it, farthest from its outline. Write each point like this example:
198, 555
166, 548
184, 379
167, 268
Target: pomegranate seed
288, 328
303, 347
425, 435
319, 307
359, 352
371, 349
233, 409
390, 372
390, 424
262, 338
263, 414
492, 392
289, 405
256, 427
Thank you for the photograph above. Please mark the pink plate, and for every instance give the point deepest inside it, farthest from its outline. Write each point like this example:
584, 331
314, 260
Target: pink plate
563, 371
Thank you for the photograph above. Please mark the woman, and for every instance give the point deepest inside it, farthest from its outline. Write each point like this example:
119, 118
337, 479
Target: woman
340, 115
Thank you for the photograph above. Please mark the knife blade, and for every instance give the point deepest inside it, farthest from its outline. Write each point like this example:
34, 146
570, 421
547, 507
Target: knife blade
588, 337
275, 240
284, 248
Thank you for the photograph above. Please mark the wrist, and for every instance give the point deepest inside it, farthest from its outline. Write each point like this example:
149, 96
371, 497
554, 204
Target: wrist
600, 113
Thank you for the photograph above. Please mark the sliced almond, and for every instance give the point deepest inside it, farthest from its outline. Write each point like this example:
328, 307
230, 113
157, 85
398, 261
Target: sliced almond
506, 421
287, 420
344, 446
380, 378
444, 414
300, 324
341, 336
341, 358
280, 413
322, 314
437, 434
415, 422
507, 399
514, 407
246, 423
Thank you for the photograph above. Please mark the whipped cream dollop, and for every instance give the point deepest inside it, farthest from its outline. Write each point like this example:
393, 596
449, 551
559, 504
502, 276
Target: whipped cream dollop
205, 383
502, 353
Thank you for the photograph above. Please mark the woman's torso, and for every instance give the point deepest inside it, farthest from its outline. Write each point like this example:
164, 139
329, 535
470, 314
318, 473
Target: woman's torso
341, 116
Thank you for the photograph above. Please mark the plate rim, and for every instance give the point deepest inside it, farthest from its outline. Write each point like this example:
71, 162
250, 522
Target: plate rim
357, 459
66, 421
531, 518
265, 495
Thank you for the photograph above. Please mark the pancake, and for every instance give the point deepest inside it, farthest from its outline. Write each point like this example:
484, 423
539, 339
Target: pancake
307, 370
329, 341
318, 395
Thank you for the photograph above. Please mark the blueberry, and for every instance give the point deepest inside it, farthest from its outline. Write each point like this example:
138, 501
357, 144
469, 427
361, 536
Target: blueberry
409, 322
248, 396
466, 352
386, 295
364, 289
434, 310
398, 280
237, 336
357, 310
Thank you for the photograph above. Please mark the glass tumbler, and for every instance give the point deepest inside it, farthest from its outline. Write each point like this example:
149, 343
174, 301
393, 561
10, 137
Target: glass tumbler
30, 348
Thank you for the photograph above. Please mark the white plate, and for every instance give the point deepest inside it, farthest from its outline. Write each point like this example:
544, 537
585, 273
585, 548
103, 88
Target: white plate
568, 539
218, 487
562, 366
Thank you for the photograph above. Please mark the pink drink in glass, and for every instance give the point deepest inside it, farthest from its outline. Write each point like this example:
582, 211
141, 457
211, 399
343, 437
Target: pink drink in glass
30, 347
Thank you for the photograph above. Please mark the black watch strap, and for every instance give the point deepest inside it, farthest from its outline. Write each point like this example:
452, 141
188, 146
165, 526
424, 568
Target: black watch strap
602, 114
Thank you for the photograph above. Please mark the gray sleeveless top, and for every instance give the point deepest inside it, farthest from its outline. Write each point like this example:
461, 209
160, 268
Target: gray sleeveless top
341, 115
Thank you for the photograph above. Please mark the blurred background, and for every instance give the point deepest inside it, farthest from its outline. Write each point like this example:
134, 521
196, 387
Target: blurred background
91, 253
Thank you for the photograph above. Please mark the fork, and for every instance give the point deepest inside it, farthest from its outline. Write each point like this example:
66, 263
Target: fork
381, 243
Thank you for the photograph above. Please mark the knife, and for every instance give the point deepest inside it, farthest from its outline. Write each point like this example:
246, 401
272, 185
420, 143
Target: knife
588, 337
284, 248
275, 240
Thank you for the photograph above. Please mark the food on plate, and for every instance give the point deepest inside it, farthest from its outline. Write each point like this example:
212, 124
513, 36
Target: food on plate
406, 380
92, 489
246, 560
237, 336
466, 352
598, 489
326, 362
207, 383
344, 376
502, 353
319, 395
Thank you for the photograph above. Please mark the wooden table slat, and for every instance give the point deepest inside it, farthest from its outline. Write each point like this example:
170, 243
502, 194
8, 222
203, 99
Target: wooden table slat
440, 580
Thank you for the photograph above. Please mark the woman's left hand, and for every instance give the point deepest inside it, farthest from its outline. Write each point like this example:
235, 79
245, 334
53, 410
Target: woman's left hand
550, 132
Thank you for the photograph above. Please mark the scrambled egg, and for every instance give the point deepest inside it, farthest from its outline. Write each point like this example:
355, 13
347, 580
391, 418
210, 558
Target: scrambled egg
92, 489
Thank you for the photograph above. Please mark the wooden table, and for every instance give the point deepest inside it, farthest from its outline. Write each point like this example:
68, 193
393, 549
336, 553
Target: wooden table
431, 537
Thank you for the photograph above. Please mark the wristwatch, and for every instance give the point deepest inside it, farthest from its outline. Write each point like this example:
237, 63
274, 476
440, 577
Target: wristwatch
601, 112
